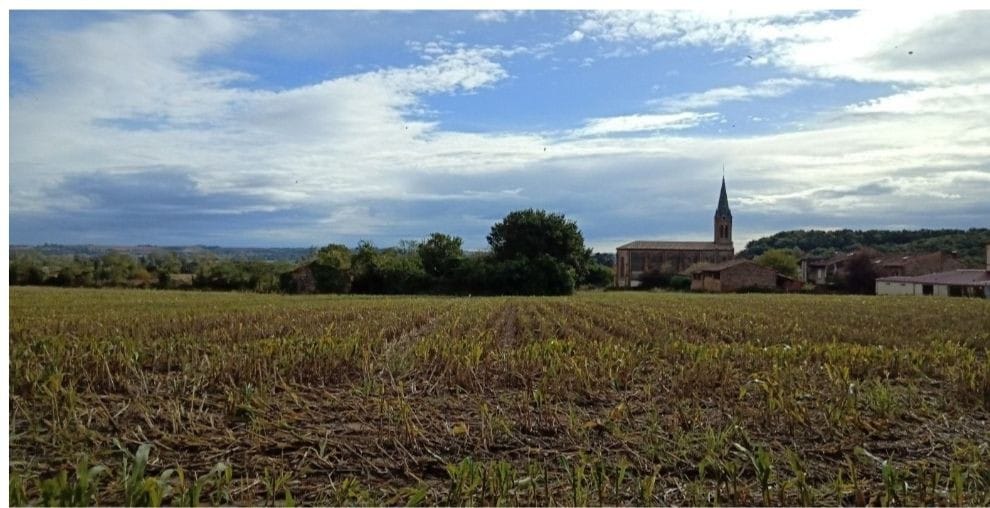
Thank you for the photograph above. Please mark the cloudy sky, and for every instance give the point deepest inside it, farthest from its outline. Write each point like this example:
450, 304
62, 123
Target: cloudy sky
304, 128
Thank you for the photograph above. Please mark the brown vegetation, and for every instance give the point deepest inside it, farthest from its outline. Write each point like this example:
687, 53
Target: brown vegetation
599, 398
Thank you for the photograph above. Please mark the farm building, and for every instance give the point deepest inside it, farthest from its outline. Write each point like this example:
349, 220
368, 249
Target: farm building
732, 276
954, 283
819, 270
974, 283
635, 259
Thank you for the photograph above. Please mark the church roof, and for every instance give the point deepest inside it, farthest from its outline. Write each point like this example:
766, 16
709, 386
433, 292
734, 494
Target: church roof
648, 245
723, 202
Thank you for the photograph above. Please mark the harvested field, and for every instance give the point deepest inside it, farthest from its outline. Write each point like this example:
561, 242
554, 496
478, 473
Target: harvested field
599, 398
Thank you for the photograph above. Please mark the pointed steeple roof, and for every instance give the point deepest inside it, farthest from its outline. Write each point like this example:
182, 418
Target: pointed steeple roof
723, 202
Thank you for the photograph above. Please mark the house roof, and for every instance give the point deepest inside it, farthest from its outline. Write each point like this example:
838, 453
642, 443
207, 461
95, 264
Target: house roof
953, 278
916, 262
718, 267
828, 261
661, 245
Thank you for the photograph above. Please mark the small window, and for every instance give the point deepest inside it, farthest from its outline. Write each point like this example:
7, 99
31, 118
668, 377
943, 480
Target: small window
927, 290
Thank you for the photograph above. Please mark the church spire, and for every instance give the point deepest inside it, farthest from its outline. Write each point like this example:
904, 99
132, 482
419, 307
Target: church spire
723, 219
723, 202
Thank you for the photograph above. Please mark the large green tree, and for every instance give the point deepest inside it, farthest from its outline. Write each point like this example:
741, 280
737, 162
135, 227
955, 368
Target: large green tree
544, 249
332, 269
859, 275
395, 270
782, 260
531, 234
440, 254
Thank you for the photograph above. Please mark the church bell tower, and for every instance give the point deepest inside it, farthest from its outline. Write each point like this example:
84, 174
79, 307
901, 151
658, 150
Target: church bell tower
723, 219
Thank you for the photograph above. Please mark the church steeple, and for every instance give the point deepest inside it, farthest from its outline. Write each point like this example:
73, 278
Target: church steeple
723, 218
723, 202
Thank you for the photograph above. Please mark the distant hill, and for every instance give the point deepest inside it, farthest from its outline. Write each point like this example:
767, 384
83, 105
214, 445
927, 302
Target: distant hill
239, 253
969, 243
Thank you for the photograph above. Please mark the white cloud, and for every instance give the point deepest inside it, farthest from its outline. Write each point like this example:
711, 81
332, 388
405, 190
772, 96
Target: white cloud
492, 16
902, 45
643, 123
769, 88
335, 135
338, 143
946, 100
575, 36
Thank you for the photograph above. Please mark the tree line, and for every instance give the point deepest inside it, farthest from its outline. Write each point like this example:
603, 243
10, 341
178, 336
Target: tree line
155, 270
530, 252
969, 244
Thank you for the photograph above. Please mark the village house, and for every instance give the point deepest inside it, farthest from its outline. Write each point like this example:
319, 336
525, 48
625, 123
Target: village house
732, 276
821, 270
635, 259
973, 283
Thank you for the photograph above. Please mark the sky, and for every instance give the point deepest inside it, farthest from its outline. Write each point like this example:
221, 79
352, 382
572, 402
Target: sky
303, 128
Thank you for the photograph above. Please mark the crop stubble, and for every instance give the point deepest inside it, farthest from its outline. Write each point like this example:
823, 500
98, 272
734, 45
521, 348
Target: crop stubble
599, 398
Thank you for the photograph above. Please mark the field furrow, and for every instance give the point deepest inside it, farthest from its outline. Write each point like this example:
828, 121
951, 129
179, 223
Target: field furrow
599, 398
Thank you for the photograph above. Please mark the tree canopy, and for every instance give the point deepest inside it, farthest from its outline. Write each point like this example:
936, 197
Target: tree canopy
531, 234
782, 260
440, 254
970, 244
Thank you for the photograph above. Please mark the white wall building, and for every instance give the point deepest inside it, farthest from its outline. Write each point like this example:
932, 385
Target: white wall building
975, 283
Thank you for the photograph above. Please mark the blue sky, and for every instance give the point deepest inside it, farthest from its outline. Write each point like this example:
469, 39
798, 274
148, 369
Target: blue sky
278, 128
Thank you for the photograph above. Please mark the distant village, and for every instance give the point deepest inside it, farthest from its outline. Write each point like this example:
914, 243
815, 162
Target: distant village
548, 258
714, 267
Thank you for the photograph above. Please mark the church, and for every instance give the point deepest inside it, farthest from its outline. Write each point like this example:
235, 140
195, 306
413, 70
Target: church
636, 258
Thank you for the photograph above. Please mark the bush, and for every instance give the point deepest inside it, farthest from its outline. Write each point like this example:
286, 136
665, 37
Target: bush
388, 271
543, 275
654, 279
598, 276
680, 283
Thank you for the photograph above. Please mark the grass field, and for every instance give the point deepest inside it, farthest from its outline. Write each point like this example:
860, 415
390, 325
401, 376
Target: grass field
604, 398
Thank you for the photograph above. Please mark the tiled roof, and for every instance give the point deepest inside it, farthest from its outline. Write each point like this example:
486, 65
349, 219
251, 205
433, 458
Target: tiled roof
716, 267
644, 244
954, 278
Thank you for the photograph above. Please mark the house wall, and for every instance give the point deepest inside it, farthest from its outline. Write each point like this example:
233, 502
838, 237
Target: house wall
897, 288
909, 288
811, 273
788, 284
622, 268
697, 282
707, 282
747, 275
